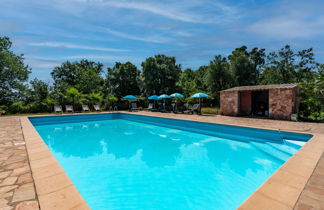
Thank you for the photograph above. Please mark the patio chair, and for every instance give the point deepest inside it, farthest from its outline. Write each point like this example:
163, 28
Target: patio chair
151, 107
96, 107
69, 108
162, 108
174, 108
183, 108
134, 107
85, 108
195, 108
58, 108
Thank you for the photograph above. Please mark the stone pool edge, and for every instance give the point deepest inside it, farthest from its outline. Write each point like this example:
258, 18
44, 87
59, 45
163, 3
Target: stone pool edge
54, 188
280, 191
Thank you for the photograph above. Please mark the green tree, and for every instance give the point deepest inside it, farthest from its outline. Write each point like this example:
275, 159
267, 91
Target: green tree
160, 75
83, 75
187, 82
200, 79
312, 94
242, 67
122, 79
286, 66
93, 98
13, 73
257, 57
74, 97
39, 90
219, 76
38, 96
305, 66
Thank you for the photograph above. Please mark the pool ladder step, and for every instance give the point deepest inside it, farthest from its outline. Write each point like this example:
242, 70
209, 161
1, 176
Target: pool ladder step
282, 148
271, 151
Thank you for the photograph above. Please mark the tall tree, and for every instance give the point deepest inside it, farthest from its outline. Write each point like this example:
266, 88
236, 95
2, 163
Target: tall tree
39, 91
13, 73
160, 75
122, 79
219, 76
242, 67
201, 75
187, 82
84, 75
257, 57
38, 96
286, 66
306, 65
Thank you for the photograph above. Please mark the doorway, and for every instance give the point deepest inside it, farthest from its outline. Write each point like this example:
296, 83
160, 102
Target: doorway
260, 103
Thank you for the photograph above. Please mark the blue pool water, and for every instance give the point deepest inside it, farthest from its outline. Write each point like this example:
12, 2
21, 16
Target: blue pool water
120, 161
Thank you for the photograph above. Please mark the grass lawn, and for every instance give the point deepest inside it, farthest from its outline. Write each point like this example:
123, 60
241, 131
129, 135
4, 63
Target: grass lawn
210, 110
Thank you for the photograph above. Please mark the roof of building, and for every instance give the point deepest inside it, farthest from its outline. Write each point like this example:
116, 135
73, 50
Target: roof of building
262, 87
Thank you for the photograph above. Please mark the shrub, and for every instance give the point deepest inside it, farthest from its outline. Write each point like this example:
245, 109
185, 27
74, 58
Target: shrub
3, 109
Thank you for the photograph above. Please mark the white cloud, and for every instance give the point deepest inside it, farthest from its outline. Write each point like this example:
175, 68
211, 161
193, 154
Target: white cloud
289, 27
154, 39
183, 10
101, 57
41, 63
166, 12
74, 46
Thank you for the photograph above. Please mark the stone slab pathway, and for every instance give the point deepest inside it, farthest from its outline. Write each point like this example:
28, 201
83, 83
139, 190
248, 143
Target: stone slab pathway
17, 189
312, 196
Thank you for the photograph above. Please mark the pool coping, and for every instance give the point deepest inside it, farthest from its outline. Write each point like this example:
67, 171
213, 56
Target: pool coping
280, 191
54, 188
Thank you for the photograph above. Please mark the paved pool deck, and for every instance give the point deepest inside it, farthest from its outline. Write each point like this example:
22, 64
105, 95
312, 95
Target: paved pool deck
31, 178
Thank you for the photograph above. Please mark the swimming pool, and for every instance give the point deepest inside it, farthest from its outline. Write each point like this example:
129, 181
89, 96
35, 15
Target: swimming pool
119, 161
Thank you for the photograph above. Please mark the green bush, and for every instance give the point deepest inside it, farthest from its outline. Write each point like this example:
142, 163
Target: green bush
3, 109
18, 107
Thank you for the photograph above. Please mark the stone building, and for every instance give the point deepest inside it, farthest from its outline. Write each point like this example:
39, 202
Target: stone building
273, 101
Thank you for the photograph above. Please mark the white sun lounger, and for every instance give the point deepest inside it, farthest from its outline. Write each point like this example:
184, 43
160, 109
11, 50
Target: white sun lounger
85, 108
58, 108
69, 108
96, 108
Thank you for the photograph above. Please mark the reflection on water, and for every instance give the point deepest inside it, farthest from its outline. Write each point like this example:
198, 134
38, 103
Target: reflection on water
137, 165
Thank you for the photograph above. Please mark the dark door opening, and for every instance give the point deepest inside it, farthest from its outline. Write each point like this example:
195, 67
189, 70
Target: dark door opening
260, 103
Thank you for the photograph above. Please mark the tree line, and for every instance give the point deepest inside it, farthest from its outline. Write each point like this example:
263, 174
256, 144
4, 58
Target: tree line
89, 82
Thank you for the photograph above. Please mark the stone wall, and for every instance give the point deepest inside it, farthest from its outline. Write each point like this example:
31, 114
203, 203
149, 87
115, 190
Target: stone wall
282, 103
229, 102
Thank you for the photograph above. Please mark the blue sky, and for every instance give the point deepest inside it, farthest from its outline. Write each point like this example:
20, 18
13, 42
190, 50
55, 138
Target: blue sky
49, 32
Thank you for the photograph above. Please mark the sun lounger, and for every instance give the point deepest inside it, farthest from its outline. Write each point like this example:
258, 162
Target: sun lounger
174, 108
134, 107
162, 108
151, 107
85, 108
69, 108
96, 108
58, 108
195, 108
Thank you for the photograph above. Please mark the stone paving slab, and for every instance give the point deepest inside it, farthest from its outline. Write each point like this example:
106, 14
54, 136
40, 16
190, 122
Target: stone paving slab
17, 190
312, 196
